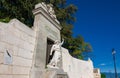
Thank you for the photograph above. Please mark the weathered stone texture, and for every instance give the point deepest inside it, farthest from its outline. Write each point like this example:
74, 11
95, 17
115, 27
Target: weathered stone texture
5, 69
25, 53
6, 76
20, 76
21, 70
20, 61
1, 58
19, 41
76, 68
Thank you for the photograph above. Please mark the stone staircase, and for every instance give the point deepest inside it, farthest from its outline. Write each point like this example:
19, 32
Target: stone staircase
55, 73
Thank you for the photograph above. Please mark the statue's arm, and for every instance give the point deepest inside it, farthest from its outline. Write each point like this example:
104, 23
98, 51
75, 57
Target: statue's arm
51, 50
62, 42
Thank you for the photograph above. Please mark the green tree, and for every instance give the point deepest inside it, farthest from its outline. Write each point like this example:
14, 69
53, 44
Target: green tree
103, 75
65, 14
22, 10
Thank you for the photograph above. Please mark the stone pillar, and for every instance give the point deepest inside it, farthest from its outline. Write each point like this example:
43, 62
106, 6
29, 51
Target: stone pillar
46, 26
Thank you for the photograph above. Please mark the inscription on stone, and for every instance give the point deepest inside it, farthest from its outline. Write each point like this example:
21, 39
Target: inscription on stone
7, 58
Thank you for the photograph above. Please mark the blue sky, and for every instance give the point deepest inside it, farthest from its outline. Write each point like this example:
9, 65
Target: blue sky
98, 21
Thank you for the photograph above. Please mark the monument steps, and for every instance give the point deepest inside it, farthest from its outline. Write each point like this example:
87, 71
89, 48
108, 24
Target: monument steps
54, 73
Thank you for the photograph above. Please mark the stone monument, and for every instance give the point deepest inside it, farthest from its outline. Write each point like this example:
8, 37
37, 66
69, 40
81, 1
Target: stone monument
47, 32
36, 52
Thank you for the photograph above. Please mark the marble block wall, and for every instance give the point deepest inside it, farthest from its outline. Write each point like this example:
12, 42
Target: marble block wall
76, 68
18, 40
23, 50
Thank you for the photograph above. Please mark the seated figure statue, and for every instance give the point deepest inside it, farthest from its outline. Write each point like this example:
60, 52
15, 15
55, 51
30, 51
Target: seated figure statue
56, 48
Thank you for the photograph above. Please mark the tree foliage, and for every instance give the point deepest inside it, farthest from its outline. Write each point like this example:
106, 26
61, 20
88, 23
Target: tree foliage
103, 75
22, 10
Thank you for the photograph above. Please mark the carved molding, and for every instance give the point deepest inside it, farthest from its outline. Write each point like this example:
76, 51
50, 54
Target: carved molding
47, 12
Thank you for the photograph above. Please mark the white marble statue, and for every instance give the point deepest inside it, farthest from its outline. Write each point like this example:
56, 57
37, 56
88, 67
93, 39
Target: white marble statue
56, 48
51, 11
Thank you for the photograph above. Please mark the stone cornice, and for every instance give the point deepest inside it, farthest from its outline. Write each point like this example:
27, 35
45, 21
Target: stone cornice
40, 9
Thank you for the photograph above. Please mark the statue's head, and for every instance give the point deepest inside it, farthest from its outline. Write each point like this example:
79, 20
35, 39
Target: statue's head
57, 42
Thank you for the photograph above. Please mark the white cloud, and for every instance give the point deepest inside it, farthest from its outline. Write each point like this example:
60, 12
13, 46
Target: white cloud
102, 64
